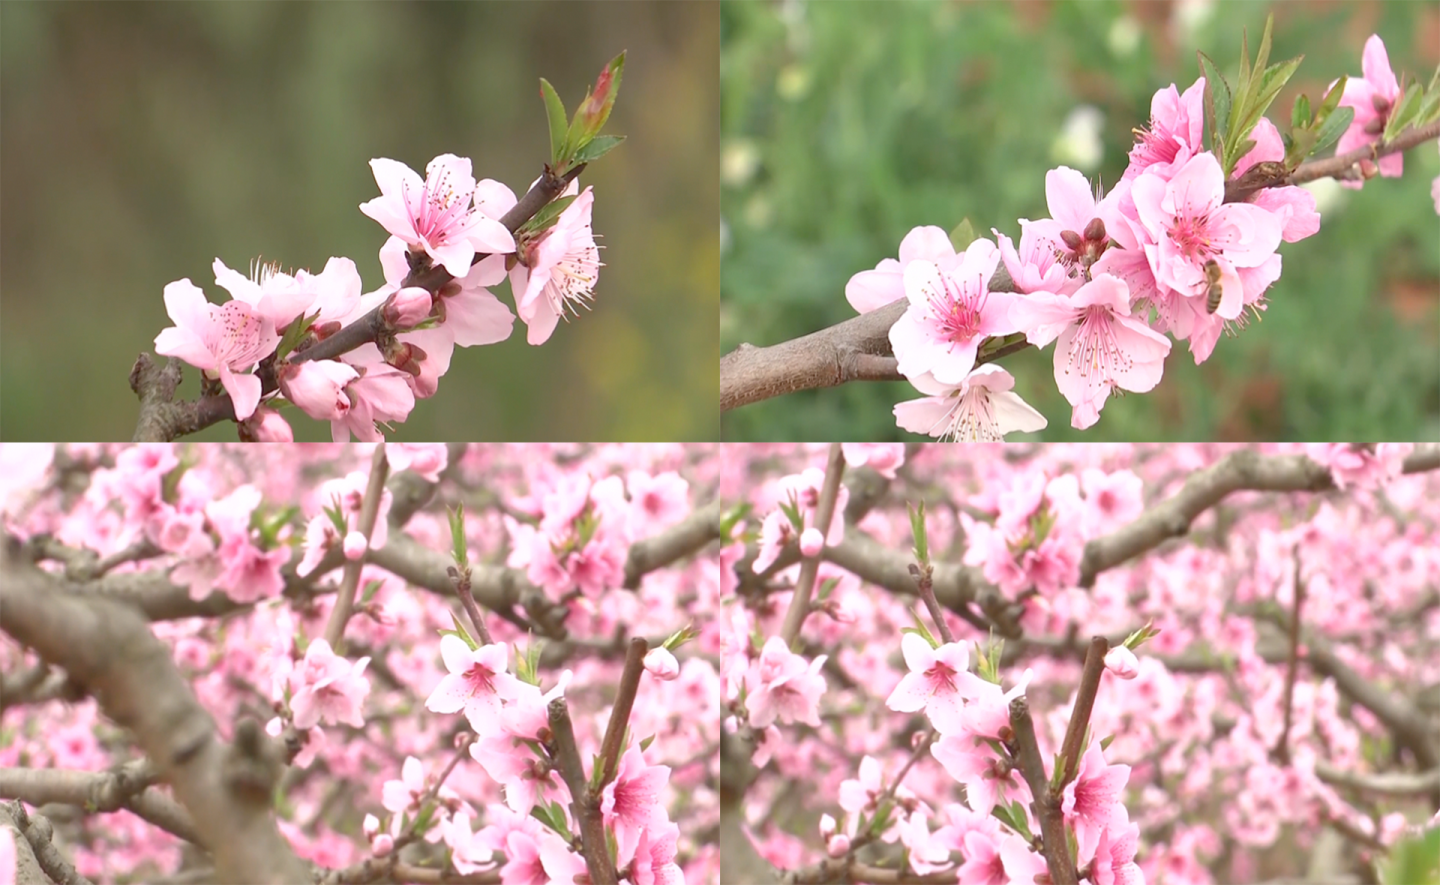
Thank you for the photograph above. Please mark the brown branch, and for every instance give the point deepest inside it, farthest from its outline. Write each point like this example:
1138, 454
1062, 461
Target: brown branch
38, 832
682, 539
1047, 808
620, 713
857, 349
1074, 743
1282, 749
108, 649
1242, 470
369, 511
1338, 165
162, 419
116, 790
583, 805
1395, 784
810, 566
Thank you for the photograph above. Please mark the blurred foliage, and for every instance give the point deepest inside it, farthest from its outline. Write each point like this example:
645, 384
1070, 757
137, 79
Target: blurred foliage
141, 141
845, 124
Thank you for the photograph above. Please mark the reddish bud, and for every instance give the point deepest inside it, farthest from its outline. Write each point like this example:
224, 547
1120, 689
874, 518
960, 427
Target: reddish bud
1374, 127
1095, 231
1072, 239
1381, 104
407, 307
324, 330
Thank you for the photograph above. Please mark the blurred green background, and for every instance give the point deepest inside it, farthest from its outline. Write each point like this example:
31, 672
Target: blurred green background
141, 141
845, 124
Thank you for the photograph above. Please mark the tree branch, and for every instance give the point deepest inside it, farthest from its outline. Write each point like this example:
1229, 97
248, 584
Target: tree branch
1074, 743
104, 791
1047, 810
810, 566
680, 540
369, 510
108, 649
620, 713
585, 807
39, 833
857, 349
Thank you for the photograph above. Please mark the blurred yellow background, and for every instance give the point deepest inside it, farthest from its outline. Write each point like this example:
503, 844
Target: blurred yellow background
142, 141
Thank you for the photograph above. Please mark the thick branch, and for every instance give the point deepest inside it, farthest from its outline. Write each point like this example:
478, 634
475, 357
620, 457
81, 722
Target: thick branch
857, 349
38, 833
103, 791
108, 649
680, 540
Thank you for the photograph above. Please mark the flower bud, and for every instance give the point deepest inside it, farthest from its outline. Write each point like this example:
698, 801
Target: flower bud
1071, 239
382, 844
371, 826
407, 307
1122, 662
1381, 104
811, 542
318, 387
266, 425
837, 845
827, 826
1095, 230
355, 546
1374, 127
662, 664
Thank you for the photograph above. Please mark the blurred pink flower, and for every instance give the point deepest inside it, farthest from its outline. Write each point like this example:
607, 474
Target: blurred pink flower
1373, 97
1092, 801
330, 688
784, 687
631, 802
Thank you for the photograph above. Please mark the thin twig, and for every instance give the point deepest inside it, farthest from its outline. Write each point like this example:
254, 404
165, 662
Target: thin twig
1282, 749
1047, 808
1073, 745
585, 807
810, 566
925, 583
620, 713
467, 600
369, 509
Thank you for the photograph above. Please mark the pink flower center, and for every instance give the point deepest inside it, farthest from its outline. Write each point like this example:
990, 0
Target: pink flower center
1192, 236
238, 344
1096, 349
941, 677
481, 679
442, 208
956, 312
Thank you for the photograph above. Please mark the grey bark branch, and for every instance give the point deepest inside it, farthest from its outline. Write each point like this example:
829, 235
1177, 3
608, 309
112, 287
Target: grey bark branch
108, 649
104, 791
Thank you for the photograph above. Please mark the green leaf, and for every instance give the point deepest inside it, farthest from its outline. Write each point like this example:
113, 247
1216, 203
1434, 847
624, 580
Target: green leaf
1333, 127
917, 528
555, 113
962, 235
1429, 108
646, 742
1217, 104
461, 632
1404, 112
292, 335
731, 518
1262, 57
547, 216
1331, 101
1106, 741
457, 537
1414, 861
370, 590
597, 147
1300, 113
920, 630
827, 587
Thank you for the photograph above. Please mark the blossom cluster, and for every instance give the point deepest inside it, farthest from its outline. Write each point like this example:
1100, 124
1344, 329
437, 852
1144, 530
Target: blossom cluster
262, 536
252, 346
1111, 279
1194, 715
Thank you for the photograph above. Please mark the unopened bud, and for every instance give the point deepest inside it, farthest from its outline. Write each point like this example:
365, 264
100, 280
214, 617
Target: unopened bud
1121, 661
355, 546
827, 826
371, 826
662, 664
382, 844
1095, 230
1374, 127
324, 330
407, 308
837, 845
811, 542
1381, 104
266, 425
1071, 239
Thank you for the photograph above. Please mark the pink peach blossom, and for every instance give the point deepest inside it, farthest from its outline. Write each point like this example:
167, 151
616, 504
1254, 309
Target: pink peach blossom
222, 340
